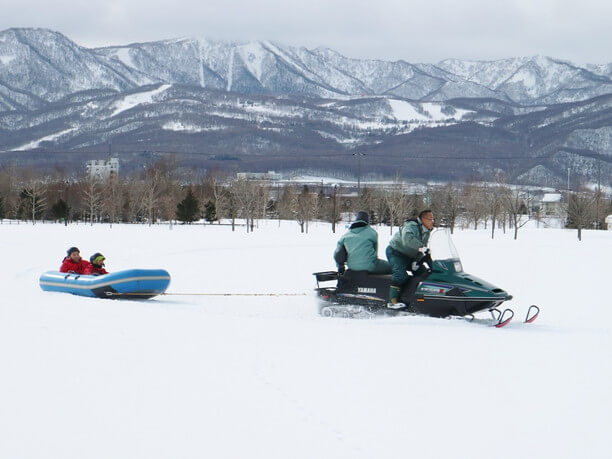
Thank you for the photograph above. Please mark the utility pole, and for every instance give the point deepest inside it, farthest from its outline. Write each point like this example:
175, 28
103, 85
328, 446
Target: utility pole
278, 203
359, 155
334, 212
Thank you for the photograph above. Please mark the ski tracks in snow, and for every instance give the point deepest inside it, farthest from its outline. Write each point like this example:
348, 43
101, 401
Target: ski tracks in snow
310, 417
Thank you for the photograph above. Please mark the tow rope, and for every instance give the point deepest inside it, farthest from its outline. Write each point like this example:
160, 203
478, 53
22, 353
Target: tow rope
205, 294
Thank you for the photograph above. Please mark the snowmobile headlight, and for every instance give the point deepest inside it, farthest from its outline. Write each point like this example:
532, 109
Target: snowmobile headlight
457, 266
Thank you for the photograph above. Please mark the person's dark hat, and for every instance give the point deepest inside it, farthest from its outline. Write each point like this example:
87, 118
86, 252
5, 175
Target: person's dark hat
363, 217
72, 249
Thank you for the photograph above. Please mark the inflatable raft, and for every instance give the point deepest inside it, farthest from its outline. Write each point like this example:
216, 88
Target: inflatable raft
131, 283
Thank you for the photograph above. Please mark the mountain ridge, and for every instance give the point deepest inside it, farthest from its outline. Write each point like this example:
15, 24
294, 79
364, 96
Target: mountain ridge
258, 67
216, 98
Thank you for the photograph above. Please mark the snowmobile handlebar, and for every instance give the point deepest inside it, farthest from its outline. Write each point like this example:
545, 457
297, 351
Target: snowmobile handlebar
425, 262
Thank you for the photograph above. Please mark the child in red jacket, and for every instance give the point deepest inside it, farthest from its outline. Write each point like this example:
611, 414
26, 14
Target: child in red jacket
73, 263
96, 267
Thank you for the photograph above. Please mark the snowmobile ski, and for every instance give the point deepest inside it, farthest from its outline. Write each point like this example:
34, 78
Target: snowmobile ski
502, 318
532, 314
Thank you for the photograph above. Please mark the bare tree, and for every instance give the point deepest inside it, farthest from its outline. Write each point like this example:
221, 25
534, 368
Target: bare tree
34, 198
445, 204
379, 204
232, 207
219, 194
581, 211
373, 200
396, 203
305, 208
474, 198
516, 203
249, 200
130, 201
607, 210
599, 204
170, 197
8, 189
286, 203
93, 198
111, 202
262, 202
150, 194
493, 197
329, 207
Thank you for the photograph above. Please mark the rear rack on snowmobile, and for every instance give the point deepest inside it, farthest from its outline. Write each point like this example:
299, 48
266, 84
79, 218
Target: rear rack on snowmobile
325, 276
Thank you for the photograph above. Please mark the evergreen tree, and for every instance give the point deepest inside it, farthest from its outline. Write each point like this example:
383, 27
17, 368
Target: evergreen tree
60, 210
187, 210
210, 212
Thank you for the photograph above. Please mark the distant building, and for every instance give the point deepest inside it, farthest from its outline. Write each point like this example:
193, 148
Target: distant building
270, 175
609, 222
551, 204
101, 169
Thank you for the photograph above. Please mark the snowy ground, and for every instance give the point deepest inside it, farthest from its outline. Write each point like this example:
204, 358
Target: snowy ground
265, 377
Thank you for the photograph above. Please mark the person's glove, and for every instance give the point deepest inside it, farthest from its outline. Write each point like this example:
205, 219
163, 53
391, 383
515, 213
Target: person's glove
341, 269
426, 263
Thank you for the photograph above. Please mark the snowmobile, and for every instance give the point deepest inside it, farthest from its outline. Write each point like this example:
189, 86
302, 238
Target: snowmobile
437, 288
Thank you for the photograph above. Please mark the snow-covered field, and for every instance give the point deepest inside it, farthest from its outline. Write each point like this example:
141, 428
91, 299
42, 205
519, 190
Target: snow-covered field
266, 377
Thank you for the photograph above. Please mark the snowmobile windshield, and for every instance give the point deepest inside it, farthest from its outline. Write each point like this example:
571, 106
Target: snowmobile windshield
443, 249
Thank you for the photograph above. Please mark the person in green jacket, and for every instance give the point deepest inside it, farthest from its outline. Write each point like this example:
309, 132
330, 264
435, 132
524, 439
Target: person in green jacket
358, 248
403, 250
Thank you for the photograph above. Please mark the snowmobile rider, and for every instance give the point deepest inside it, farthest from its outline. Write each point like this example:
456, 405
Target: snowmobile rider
73, 263
403, 250
358, 248
97, 265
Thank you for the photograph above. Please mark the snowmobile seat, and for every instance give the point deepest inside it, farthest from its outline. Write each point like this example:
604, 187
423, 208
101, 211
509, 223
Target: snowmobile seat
364, 282
363, 276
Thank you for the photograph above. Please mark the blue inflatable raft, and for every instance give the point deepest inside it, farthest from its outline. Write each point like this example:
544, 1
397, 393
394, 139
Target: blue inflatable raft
131, 283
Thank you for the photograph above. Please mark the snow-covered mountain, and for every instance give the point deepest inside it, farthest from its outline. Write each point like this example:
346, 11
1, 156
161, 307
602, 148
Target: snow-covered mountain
47, 65
218, 99
533, 80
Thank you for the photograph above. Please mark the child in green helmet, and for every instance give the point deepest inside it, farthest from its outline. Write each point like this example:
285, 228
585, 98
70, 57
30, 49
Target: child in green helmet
97, 265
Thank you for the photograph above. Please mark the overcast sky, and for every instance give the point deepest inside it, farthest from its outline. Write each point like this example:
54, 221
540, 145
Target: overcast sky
412, 30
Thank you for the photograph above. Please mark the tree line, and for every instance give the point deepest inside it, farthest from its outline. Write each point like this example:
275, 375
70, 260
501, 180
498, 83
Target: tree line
157, 194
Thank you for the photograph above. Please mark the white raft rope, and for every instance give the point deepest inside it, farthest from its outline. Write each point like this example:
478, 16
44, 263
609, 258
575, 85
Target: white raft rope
202, 294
